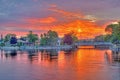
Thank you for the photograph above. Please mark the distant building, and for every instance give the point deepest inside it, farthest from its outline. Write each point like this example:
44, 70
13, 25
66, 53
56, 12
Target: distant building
59, 41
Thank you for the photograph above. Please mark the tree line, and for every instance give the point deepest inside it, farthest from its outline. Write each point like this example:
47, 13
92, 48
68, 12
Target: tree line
112, 34
49, 38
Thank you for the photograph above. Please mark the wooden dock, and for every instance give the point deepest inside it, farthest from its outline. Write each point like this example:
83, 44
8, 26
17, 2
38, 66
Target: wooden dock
116, 52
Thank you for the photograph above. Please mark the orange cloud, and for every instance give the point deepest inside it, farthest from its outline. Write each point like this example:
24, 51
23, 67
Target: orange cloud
83, 29
53, 5
47, 20
82, 25
67, 14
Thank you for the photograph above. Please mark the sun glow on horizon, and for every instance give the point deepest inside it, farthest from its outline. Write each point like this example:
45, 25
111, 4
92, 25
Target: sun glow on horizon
82, 29
79, 30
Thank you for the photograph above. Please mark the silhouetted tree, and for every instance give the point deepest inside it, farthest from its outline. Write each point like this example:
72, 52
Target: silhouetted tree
68, 39
32, 37
49, 38
113, 31
8, 37
13, 40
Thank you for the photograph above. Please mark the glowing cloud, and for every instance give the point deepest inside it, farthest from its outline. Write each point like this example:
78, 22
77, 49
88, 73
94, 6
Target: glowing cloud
66, 13
47, 20
80, 16
83, 29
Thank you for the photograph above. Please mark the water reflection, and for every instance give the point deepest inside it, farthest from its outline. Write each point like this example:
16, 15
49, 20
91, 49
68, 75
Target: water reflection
7, 54
81, 64
50, 55
32, 55
42, 55
112, 56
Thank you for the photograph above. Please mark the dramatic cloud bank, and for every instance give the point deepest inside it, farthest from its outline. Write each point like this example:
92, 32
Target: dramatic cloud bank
87, 18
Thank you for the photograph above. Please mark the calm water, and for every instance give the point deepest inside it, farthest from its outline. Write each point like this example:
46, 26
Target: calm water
82, 64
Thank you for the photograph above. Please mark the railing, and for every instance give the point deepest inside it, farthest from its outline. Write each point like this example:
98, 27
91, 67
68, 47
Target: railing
93, 43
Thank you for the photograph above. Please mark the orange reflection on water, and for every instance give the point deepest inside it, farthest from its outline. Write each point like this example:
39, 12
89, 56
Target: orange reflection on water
61, 59
81, 64
108, 55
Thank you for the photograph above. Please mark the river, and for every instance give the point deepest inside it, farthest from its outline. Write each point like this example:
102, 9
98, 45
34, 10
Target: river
81, 64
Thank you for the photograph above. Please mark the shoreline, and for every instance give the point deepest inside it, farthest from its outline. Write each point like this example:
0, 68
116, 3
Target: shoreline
37, 47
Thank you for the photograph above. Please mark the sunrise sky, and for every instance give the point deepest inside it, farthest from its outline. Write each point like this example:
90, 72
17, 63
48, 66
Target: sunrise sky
87, 18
